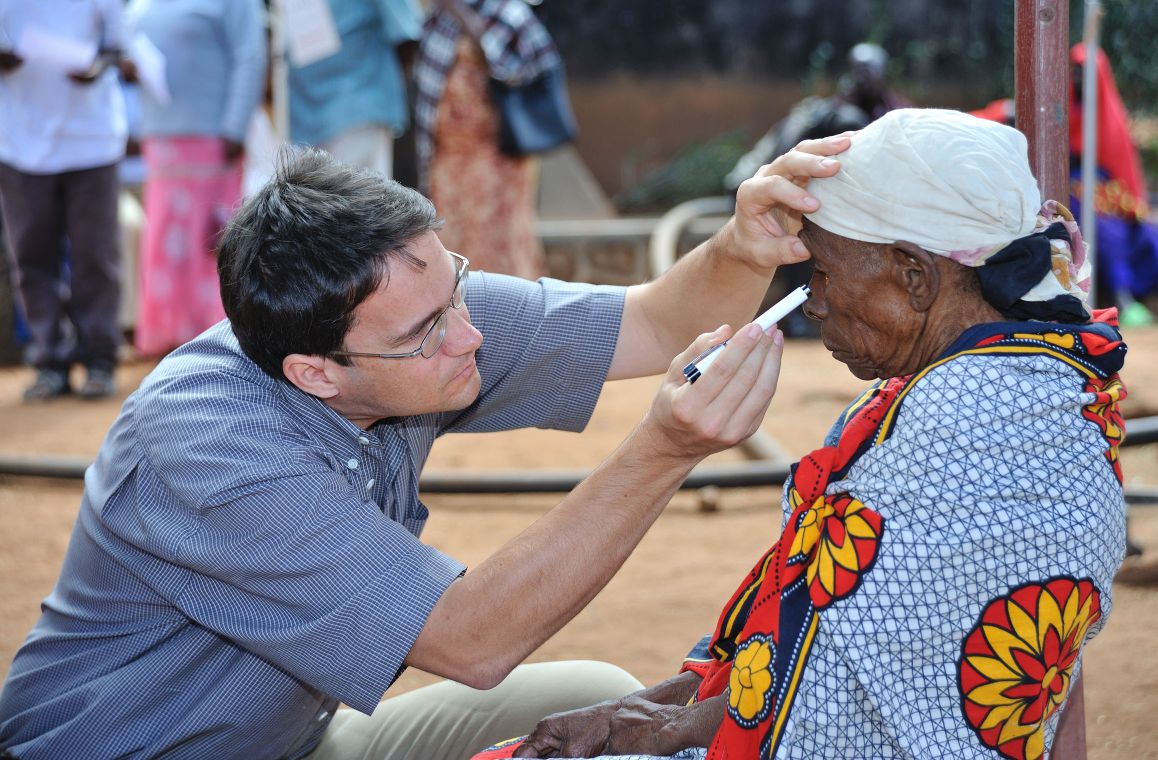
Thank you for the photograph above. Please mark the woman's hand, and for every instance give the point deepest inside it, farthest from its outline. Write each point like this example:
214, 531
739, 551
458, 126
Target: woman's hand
644, 728
647, 728
575, 733
585, 732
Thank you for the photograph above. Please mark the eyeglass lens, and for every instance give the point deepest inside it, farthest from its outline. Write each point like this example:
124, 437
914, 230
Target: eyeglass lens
433, 340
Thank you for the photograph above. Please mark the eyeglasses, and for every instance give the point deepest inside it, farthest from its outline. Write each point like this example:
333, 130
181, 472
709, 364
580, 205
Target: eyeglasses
434, 337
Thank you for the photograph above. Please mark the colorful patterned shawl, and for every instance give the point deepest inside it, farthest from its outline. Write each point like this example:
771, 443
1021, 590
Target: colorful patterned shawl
765, 632
761, 644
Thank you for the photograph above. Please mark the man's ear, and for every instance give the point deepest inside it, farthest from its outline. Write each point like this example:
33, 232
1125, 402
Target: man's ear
918, 273
309, 373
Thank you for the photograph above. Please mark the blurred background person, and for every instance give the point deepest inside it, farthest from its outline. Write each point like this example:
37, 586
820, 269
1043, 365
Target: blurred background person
865, 84
1127, 244
352, 103
193, 144
862, 96
465, 44
62, 137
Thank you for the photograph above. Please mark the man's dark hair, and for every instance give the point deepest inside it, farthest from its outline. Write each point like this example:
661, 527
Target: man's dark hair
299, 256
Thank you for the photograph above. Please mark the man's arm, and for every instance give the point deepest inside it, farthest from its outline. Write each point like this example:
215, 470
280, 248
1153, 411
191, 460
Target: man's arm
489, 620
724, 280
245, 40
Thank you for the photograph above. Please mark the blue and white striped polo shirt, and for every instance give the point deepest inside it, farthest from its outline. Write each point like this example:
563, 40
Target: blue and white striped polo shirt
245, 558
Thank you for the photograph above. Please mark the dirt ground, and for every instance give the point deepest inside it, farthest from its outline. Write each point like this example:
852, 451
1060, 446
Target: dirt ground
670, 591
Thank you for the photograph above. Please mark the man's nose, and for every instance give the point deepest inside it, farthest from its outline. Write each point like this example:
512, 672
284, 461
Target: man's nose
462, 336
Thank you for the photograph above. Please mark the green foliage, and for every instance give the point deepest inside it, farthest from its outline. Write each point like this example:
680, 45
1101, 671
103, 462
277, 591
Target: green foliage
1145, 133
696, 171
1129, 29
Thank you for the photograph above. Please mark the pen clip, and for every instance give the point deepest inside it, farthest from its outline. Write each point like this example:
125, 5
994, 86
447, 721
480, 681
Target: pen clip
691, 371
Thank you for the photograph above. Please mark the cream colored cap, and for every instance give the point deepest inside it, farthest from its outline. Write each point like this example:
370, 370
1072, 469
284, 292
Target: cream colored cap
945, 180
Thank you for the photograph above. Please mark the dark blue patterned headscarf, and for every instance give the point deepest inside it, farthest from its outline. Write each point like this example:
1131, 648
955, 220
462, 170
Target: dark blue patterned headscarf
1034, 276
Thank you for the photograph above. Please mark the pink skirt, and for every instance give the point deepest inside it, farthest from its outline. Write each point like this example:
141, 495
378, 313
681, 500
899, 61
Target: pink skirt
189, 195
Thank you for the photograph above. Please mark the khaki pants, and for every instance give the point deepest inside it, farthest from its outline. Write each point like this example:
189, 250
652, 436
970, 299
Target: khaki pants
449, 721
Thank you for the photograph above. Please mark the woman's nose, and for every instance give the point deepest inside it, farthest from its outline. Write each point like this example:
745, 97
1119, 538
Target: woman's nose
815, 307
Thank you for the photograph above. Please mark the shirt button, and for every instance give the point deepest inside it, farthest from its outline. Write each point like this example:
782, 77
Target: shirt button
364, 440
369, 484
352, 464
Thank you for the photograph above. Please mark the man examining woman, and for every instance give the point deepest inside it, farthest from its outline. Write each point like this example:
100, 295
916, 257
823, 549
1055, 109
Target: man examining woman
247, 555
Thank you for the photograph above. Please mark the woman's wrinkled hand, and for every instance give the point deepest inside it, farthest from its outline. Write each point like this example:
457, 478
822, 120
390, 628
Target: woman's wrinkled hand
642, 727
575, 733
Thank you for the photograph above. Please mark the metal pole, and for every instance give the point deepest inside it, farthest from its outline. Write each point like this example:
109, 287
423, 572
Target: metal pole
1041, 63
279, 71
1090, 139
1041, 31
1140, 431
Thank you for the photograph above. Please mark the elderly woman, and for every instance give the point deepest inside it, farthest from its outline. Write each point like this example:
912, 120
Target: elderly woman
948, 551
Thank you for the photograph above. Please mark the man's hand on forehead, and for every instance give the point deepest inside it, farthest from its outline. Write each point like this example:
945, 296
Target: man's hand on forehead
769, 206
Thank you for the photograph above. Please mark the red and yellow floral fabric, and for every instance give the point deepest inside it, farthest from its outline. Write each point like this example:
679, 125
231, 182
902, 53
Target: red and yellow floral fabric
1017, 663
765, 631
831, 540
1106, 414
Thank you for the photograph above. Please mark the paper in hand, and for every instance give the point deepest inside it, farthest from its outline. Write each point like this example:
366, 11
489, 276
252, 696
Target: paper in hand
150, 63
310, 31
38, 46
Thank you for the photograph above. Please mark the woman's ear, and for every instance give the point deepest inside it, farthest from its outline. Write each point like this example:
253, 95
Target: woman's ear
918, 273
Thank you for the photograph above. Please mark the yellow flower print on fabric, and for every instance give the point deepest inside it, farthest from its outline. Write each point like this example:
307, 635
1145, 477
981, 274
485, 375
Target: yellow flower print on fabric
838, 536
750, 681
1066, 341
811, 523
1017, 662
1105, 412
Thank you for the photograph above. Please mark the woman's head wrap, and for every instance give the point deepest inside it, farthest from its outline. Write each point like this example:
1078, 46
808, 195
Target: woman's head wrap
960, 187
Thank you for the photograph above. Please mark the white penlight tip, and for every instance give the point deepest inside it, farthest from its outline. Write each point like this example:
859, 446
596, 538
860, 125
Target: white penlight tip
779, 311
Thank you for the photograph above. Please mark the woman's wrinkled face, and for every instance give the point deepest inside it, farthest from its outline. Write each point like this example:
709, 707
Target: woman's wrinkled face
860, 300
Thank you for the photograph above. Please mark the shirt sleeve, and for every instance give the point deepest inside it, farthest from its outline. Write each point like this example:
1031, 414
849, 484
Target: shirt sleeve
247, 63
271, 545
515, 43
547, 348
992, 487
